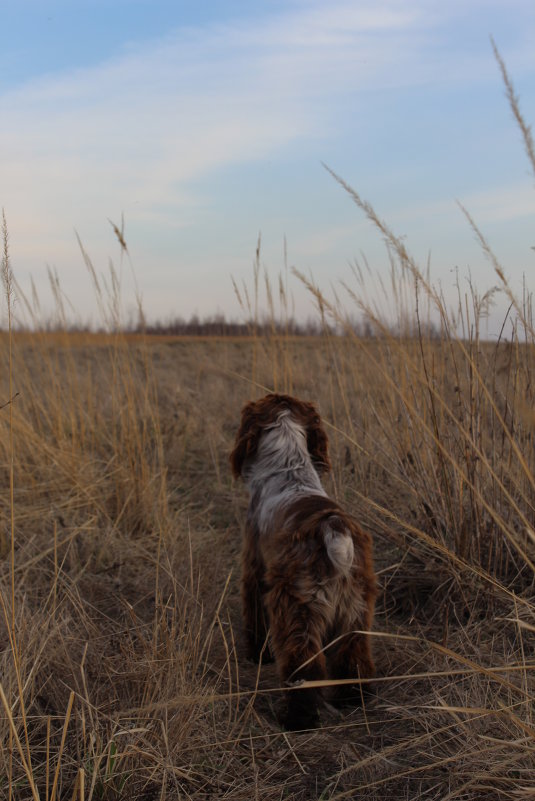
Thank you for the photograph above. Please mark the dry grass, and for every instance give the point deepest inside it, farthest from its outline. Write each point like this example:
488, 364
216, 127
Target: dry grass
120, 645
123, 671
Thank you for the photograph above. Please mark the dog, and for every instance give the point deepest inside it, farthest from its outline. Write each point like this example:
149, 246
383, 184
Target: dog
308, 583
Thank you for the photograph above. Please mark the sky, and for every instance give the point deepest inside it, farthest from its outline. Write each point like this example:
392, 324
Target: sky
206, 124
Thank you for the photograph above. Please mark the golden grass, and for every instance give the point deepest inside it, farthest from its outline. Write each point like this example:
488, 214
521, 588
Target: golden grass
127, 620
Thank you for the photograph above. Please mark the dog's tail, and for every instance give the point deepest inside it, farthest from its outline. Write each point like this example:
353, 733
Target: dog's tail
339, 545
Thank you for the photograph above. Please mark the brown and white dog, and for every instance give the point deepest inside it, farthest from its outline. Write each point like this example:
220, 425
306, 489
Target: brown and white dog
308, 578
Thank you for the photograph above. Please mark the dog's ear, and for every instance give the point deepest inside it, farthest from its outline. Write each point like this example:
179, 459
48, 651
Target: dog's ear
318, 443
246, 440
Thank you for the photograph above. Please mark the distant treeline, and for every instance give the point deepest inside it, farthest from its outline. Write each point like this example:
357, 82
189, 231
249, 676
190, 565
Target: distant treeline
215, 325
219, 326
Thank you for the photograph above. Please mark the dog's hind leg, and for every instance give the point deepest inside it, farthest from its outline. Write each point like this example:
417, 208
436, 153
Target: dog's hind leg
352, 658
297, 636
254, 613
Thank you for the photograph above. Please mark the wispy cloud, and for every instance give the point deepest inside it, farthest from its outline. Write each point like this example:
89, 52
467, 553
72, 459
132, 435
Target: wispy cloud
134, 132
203, 95
500, 204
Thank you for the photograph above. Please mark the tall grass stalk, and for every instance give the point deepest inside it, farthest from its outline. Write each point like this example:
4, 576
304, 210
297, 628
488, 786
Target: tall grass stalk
514, 104
10, 624
8, 290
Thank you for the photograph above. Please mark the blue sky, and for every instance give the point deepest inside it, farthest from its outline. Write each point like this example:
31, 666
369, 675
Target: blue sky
206, 123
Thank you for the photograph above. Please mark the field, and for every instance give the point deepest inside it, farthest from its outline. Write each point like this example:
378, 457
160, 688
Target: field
123, 668
121, 656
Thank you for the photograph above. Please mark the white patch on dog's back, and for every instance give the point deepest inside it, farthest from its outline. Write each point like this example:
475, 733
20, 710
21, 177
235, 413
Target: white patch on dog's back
282, 445
282, 469
340, 550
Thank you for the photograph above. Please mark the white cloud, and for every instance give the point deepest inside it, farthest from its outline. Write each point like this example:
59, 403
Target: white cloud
501, 204
168, 110
132, 132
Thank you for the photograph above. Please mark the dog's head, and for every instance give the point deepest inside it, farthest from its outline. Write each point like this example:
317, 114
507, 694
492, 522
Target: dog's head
258, 416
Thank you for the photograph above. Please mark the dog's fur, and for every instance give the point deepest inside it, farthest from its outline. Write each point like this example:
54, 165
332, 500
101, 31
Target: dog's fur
307, 566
